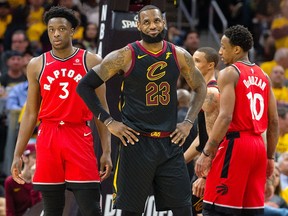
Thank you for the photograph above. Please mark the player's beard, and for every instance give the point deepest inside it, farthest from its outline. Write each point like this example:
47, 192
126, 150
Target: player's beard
148, 39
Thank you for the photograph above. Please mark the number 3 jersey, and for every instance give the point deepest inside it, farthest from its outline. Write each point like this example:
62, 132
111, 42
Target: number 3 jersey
149, 89
58, 81
252, 96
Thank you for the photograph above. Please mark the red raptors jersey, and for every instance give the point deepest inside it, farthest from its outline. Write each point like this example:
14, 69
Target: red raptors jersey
251, 105
58, 81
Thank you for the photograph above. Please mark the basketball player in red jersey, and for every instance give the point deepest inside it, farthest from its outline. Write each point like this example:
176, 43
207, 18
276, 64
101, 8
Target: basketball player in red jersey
65, 153
237, 168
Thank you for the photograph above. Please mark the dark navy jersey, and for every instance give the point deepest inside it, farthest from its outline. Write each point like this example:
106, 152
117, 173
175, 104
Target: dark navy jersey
149, 98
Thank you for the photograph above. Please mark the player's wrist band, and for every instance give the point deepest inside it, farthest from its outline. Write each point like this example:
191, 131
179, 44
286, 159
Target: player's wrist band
109, 122
188, 120
204, 177
204, 153
271, 158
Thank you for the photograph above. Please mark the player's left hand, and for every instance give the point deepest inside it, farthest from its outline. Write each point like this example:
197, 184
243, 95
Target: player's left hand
105, 166
198, 187
203, 165
181, 132
16, 170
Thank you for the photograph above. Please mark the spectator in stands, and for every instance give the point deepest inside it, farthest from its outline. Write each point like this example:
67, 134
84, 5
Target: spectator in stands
280, 58
90, 37
91, 9
183, 99
15, 73
19, 43
276, 200
191, 41
21, 197
279, 89
279, 26
282, 145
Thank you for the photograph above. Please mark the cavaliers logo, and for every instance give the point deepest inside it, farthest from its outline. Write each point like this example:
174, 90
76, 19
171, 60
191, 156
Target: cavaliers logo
155, 71
222, 189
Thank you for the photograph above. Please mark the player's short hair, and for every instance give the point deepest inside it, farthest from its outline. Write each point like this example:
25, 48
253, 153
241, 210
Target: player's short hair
148, 7
58, 11
240, 36
211, 54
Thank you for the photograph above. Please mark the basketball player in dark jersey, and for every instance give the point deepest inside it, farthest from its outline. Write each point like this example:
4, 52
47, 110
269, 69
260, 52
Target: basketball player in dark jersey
65, 153
151, 155
235, 157
206, 60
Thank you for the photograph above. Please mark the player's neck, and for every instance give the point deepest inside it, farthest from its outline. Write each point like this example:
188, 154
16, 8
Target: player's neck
64, 53
209, 76
152, 47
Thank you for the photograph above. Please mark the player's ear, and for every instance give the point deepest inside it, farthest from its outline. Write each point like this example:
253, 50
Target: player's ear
72, 31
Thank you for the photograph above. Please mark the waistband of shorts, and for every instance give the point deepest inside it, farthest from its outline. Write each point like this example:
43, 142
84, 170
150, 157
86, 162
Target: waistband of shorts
157, 134
238, 134
64, 123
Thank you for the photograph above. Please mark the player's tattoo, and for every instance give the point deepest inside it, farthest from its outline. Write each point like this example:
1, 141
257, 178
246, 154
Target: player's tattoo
114, 63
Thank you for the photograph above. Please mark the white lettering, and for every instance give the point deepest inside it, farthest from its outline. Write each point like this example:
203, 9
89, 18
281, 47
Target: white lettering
129, 24
150, 208
252, 80
102, 31
71, 73
46, 87
78, 77
57, 74
50, 79
104, 12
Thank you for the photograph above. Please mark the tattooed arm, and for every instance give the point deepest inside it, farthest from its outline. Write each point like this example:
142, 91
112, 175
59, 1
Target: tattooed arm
211, 110
118, 60
195, 80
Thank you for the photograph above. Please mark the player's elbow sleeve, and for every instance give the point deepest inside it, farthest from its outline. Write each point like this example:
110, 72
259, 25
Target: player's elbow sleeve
86, 90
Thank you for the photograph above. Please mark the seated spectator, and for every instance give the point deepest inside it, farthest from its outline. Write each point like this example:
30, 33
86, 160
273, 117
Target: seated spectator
279, 26
20, 43
91, 9
183, 98
15, 72
90, 37
191, 41
276, 200
280, 58
282, 145
19, 198
279, 89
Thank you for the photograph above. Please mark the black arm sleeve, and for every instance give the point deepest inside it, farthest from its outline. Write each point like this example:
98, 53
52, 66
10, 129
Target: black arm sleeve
86, 90
203, 136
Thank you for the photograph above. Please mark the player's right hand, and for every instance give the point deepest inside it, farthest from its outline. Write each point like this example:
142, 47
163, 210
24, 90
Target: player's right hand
16, 170
123, 132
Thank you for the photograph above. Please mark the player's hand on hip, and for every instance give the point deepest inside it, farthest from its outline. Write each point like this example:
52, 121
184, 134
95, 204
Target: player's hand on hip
105, 166
181, 132
16, 170
123, 132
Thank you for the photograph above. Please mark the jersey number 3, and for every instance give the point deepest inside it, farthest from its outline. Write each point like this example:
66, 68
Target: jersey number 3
65, 93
